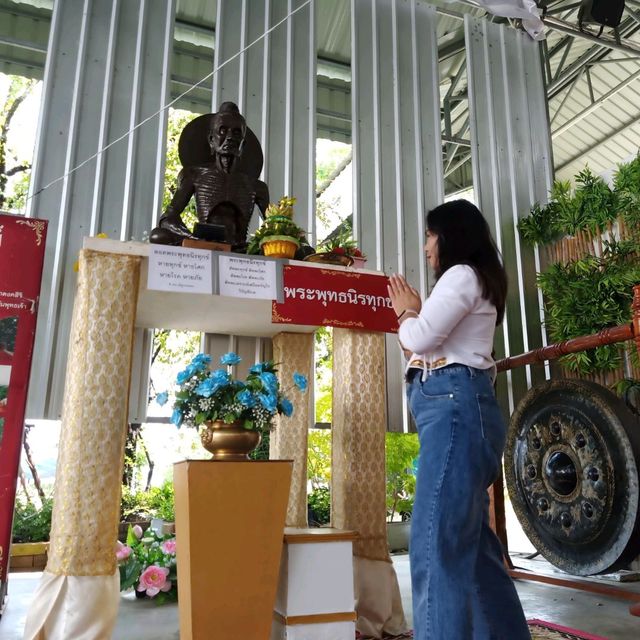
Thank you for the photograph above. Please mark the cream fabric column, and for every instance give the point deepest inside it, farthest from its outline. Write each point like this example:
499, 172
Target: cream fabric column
293, 352
358, 476
78, 595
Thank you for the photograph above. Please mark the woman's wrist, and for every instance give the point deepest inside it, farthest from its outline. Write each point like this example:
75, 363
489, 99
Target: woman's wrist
407, 313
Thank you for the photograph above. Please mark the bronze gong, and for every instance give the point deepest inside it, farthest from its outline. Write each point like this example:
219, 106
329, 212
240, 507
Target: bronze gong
571, 466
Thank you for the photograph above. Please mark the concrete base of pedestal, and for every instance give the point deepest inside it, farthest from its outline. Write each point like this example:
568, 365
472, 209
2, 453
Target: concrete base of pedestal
230, 519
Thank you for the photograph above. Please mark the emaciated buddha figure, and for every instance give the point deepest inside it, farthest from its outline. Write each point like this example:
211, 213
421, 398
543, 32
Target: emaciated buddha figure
222, 160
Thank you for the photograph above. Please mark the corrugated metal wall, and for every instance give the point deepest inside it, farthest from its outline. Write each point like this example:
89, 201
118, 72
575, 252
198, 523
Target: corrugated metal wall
274, 85
107, 69
512, 167
397, 154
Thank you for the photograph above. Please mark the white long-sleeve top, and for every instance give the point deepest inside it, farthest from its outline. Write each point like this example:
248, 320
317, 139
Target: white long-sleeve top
455, 323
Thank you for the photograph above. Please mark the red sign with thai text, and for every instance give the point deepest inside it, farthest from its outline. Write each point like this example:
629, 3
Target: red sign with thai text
335, 298
22, 243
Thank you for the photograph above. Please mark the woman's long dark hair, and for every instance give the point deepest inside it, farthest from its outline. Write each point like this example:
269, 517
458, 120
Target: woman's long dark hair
464, 238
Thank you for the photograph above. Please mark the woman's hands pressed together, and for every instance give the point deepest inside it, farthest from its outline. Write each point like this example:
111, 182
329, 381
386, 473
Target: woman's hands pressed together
404, 297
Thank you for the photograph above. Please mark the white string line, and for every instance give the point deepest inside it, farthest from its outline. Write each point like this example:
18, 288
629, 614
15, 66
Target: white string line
169, 104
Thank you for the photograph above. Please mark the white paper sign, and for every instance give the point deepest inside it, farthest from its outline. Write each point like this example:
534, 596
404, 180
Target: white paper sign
248, 278
179, 269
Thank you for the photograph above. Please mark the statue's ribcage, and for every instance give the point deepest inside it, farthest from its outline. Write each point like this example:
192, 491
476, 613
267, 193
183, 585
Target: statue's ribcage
214, 187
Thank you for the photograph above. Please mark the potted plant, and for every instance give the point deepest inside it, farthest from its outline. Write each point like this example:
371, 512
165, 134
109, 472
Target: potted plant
230, 414
147, 562
278, 236
401, 454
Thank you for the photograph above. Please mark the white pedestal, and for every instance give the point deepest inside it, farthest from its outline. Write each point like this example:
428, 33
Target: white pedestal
315, 599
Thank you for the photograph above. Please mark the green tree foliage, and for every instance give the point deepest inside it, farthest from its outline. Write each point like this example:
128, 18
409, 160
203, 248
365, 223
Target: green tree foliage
10, 163
157, 502
32, 523
319, 457
319, 475
261, 452
328, 160
319, 503
626, 184
324, 374
171, 346
588, 295
401, 452
177, 121
591, 206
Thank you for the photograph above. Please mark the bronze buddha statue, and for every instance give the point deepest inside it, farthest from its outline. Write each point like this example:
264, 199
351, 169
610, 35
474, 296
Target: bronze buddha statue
222, 160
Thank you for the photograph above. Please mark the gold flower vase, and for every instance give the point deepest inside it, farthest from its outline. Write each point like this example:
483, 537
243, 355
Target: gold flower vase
229, 441
279, 246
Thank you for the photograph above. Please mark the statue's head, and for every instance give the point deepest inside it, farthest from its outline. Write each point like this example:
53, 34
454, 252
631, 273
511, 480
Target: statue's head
227, 131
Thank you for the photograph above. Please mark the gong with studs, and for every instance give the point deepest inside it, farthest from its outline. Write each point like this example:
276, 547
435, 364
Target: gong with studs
571, 466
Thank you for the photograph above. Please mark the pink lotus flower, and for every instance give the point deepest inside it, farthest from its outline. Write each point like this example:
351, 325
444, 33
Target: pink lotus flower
122, 551
137, 531
153, 580
169, 546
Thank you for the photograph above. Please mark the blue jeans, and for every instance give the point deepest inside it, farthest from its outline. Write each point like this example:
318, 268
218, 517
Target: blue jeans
461, 589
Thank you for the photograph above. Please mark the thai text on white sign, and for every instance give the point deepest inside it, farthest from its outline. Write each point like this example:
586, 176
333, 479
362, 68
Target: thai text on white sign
248, 277
180, 269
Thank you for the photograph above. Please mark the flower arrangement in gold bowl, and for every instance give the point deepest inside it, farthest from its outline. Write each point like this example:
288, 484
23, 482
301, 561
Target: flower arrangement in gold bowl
278, 236
231, 414
339, 249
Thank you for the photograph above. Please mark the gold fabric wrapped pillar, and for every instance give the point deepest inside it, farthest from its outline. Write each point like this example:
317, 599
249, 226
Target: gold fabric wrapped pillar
358, 476
293, 352
82, 563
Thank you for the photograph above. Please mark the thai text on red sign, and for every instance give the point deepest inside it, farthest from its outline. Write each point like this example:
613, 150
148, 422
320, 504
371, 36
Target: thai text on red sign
335, 298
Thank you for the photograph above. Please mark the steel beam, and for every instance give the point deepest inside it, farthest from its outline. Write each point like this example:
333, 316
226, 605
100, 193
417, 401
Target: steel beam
595, 54
596, 105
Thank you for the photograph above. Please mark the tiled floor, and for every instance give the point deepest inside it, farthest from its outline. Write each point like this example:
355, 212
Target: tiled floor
143, 620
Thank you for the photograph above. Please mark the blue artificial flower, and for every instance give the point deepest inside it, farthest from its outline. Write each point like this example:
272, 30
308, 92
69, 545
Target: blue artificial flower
268, 401
287, 407
269, 381
201, 358
205, 388
209, 386
176, 417
300, 381
162, 398
221, 376
257, 368
246, 398
199, 363
191, 369
230, 358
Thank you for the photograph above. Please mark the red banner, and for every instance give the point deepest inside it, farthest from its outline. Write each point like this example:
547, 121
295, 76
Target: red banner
335, 298
22, 243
